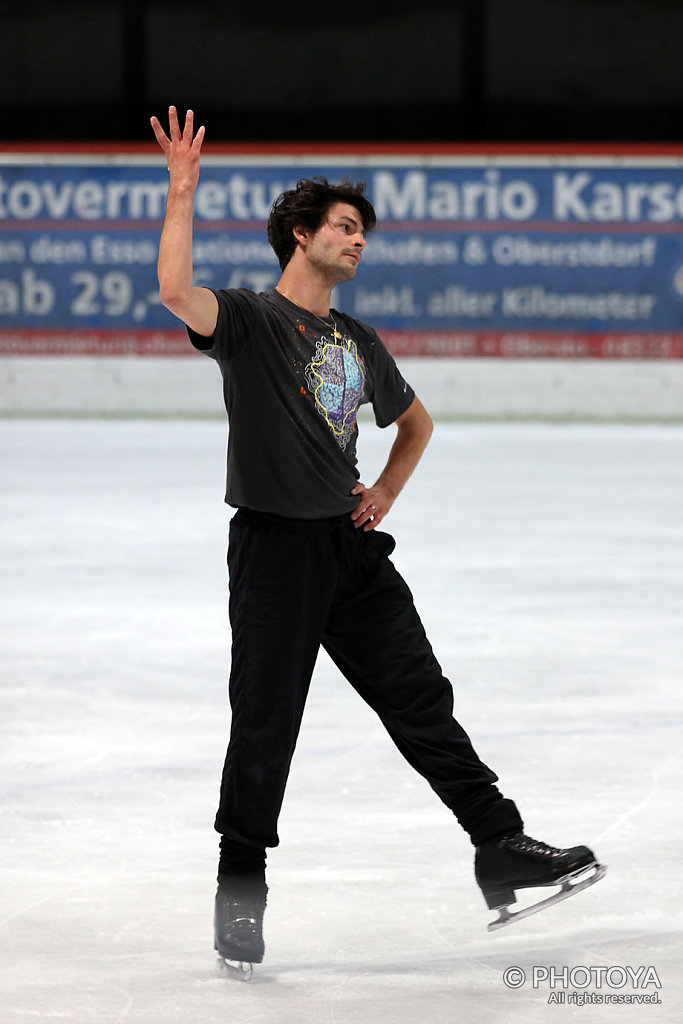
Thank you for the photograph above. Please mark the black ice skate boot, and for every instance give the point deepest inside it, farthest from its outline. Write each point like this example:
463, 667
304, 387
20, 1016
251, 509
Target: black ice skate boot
518, 862
238, 921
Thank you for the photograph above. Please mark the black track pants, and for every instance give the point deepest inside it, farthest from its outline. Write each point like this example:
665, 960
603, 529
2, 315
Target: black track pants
297, 584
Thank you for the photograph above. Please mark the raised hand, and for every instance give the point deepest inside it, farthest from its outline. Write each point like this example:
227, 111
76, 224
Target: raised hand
196, 307
181, 150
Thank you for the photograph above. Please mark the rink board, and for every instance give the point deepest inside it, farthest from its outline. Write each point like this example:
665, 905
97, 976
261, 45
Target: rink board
504, 255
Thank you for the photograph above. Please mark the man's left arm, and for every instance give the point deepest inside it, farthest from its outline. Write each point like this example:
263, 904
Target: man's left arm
374, 503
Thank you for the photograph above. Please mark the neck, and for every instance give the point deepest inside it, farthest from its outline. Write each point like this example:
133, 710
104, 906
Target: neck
309, 292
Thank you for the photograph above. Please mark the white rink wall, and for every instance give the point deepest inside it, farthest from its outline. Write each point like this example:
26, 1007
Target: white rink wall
609, 390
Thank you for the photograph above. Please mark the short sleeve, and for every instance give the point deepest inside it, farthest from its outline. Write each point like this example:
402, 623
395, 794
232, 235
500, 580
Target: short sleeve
232, 325
391, 395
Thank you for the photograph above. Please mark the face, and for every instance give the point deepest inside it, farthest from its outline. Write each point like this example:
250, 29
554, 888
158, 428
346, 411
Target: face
335, 249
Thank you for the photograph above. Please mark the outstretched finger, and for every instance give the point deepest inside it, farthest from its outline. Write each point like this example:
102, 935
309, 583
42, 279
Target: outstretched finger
160, 134
173, 124
199, 138
187, 130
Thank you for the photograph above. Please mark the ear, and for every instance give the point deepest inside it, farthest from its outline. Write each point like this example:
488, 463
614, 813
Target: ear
301, 234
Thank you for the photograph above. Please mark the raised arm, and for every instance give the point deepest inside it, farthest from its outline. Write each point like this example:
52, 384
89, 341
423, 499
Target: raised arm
197, 307
414, 431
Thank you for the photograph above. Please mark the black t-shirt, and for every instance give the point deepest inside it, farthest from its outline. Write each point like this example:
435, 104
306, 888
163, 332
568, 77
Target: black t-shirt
292, 388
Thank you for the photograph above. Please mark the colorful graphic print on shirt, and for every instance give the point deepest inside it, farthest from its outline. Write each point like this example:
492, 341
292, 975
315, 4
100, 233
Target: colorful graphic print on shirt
336, 379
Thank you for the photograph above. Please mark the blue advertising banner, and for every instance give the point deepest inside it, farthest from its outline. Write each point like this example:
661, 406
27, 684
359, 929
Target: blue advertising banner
544, 256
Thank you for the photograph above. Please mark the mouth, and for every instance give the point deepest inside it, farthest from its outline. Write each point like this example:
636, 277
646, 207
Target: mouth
355, 256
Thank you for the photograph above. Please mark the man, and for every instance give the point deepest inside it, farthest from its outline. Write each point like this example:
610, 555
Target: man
307, 564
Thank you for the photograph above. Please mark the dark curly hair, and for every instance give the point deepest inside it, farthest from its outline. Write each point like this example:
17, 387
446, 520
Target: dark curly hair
306, 205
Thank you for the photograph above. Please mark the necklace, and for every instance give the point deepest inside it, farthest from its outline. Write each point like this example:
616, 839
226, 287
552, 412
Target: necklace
333, 326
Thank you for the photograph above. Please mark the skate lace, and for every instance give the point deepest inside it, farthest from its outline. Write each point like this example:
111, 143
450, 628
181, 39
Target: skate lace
241, 913
238, 913
530, 845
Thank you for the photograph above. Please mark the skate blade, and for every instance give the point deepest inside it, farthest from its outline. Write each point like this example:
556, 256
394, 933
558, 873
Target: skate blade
570, 886
240, 970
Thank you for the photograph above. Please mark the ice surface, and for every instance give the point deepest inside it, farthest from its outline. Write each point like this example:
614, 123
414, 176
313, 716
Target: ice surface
547, 563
